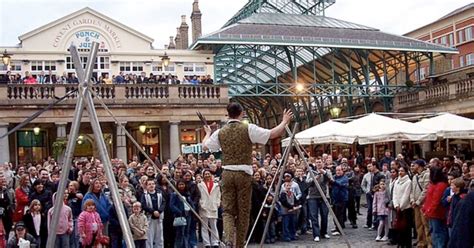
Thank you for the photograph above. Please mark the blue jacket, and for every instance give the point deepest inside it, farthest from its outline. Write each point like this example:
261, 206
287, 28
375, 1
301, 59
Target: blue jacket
463, 226
102, 205
177, 206
340, 189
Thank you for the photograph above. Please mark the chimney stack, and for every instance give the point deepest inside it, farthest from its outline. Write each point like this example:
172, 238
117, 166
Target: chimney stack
177, 39
171, 45
183, 30
196, 21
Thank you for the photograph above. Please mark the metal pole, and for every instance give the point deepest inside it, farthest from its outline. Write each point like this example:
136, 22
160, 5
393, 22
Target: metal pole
277, 190
71, 144
318, 186
98, 136
139, 148
285, 152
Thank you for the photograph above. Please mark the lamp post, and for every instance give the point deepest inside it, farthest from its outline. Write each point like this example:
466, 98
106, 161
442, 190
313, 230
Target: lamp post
142, 128
36, 130
165, 60
335, 111
6, 58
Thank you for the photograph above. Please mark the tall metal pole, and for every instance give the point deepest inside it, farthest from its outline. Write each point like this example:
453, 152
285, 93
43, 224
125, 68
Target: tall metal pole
104, 155
279, 170
318, 186
71, 144
277, 190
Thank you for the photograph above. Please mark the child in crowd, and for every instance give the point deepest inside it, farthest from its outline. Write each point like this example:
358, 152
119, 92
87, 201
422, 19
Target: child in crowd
271, 234
139, 225
457, 187
89, 225
288, 204
381, 210
154, 204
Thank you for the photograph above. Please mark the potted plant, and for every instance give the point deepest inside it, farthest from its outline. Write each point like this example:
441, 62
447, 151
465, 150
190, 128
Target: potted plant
409, 83
59, 147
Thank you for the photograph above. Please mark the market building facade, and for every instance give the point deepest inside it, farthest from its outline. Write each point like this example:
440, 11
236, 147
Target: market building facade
160, 116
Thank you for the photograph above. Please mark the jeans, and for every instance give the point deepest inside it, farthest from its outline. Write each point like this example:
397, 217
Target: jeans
192, 231
370, 200
339, 209
289, 229
271, 233
181, 237
62, 240
140, 243
439, 233
302, 218
74, 238
318, 207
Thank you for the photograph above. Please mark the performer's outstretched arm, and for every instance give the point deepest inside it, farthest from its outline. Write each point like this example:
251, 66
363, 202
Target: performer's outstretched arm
278, 130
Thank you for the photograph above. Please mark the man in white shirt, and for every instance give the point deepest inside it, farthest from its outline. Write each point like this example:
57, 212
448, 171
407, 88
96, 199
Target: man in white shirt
236, 139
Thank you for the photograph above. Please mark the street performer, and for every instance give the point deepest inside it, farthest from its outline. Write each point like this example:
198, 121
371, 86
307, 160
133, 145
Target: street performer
236, 139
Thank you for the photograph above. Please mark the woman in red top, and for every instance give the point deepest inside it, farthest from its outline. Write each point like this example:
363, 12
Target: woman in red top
21, 198
433, 210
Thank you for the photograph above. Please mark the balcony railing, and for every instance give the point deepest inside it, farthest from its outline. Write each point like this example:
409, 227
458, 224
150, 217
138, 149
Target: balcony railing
435, 93
127, 93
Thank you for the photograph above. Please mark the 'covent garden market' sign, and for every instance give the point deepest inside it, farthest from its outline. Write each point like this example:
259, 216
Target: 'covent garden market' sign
83, 38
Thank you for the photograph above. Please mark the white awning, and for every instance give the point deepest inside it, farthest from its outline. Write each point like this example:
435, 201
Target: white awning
450, 126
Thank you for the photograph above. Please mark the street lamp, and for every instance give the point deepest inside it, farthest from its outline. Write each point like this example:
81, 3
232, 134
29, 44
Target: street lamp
299, 87
6, 58
165, 60
335, 111
142, 128
36, 130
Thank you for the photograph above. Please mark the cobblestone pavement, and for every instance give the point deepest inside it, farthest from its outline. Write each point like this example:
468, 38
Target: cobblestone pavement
358, 238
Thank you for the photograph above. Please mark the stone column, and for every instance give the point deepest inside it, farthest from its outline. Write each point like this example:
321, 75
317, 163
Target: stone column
175, 148
4, 144
398, 148
121, 143
425, 147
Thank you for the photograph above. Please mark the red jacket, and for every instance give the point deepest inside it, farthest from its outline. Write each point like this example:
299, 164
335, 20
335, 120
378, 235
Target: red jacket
432, 207
21, 198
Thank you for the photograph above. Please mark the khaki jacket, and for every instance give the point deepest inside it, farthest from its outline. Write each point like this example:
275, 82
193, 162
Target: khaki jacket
419, 186
139, 226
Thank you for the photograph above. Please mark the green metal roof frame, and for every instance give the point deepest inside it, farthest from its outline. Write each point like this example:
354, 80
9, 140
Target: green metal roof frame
301, 7
263, 71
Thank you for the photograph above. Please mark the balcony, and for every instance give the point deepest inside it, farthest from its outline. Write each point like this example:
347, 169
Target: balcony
456, 97
129, 94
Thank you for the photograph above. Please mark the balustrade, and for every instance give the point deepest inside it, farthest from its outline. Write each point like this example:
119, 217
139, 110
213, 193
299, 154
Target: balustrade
122, 92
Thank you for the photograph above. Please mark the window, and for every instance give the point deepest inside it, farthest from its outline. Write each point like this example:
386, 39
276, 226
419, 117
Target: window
194, 69
128, 66
444, 41
31, 147
159, 68
451, 40
103, 63
37, 65
70, 64
468, 32
470, 59
422, 73
461, 61
460, 36
15, 66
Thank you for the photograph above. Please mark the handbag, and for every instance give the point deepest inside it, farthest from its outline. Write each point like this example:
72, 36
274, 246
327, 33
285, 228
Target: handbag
103, 241
179, 221
400, 222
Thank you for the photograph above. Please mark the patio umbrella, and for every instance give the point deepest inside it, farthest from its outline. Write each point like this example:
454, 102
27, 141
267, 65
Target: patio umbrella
450, 126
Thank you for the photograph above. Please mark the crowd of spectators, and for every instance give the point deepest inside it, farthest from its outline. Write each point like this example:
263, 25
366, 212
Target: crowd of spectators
121, 78
436, 195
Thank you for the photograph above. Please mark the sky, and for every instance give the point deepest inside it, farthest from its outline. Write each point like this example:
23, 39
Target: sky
158, 19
